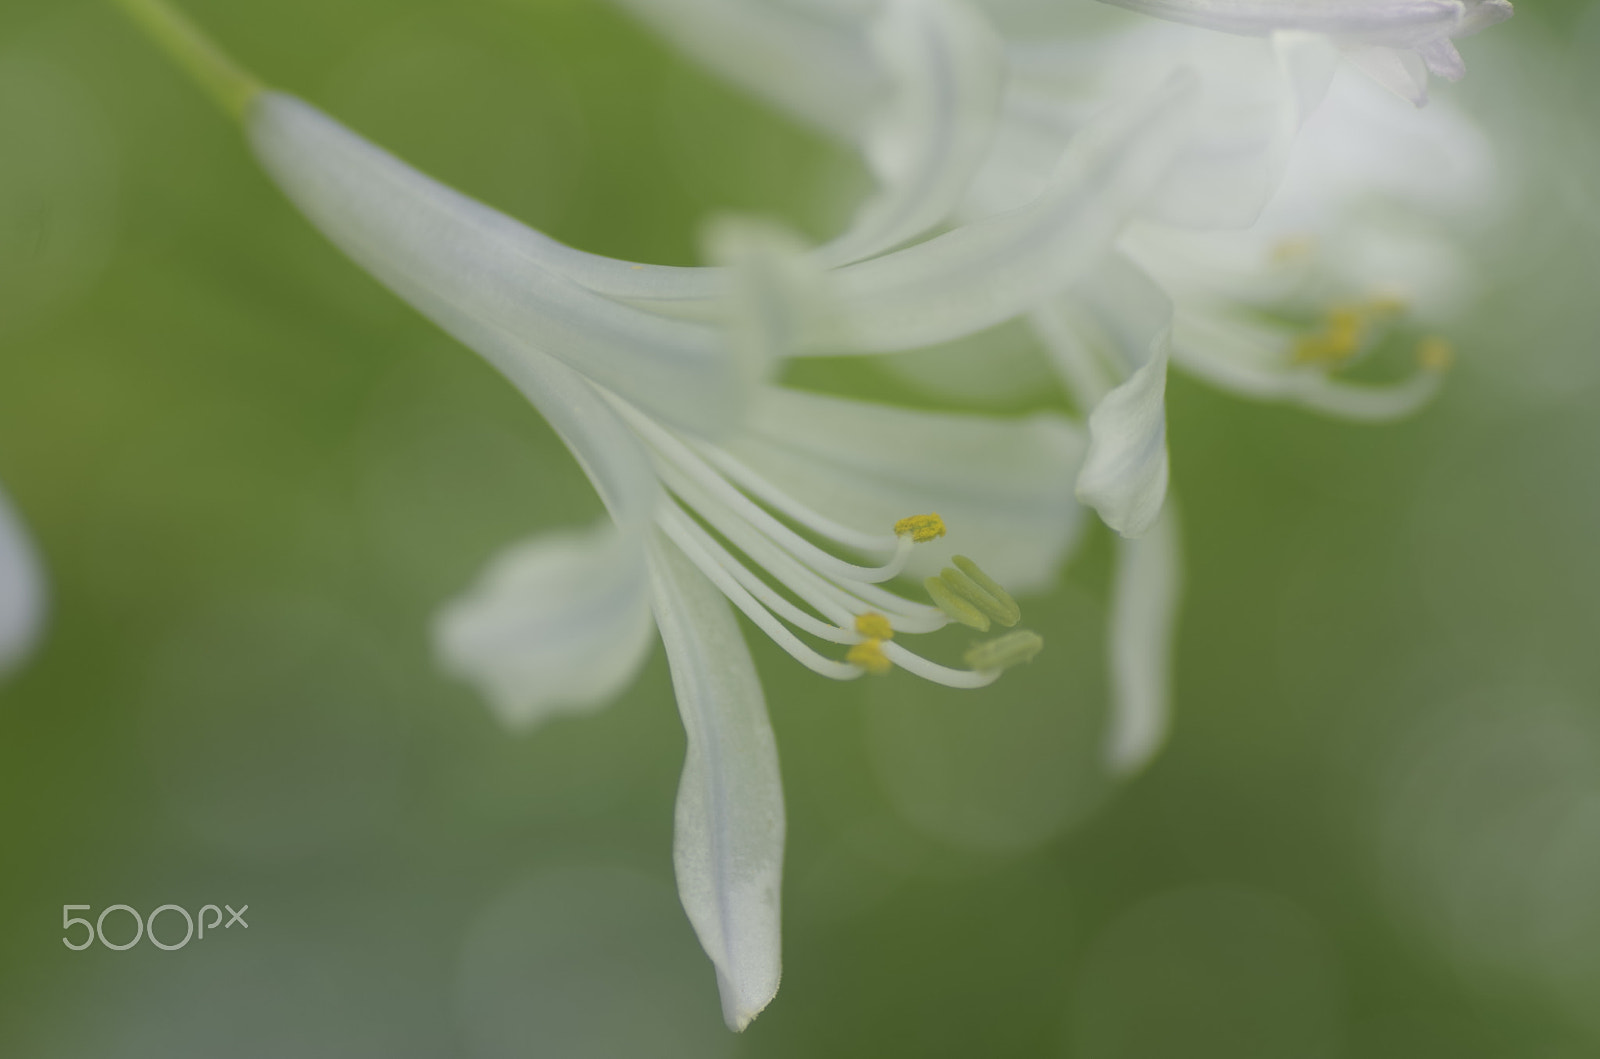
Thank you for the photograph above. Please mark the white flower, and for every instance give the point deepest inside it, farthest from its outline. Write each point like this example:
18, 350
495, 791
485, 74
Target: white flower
1275, 245
1362, 245
720, 487
22, 590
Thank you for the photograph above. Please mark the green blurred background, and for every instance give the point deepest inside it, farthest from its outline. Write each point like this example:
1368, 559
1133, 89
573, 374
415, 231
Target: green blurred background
254, 473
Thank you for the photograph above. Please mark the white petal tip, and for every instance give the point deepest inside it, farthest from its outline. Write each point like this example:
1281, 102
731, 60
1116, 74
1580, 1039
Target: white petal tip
557, 625
741, 1006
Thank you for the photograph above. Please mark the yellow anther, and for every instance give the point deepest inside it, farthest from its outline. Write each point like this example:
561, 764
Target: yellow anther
1341, 336
998, 605
1388, 304
1003, 652
1293, 249
1435, 353
868, 654
921, 528
874, 626
959, 609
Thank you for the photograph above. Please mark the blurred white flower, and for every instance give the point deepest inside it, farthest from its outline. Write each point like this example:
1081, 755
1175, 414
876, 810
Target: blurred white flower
1276, 240
22, 589
720, 486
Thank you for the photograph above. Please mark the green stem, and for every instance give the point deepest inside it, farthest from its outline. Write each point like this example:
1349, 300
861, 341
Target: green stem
185, 44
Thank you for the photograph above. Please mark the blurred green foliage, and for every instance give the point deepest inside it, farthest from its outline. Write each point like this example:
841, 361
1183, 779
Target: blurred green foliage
254, 473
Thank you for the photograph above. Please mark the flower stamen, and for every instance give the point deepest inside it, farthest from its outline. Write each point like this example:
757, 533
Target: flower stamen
955, 605
869, 656
981, 590
874, 626
1341, 336
920, 528
1014, 648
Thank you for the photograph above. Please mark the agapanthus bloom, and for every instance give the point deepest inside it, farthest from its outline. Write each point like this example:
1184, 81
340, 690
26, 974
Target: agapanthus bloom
1274, 246
721, 487
22, 591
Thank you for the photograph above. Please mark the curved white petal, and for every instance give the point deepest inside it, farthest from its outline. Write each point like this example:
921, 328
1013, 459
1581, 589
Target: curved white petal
947, 70
1124, 321
1001, 485
1396, 23
1401, 72
985, 272
771, 287
22, 589
728, 839
1147, 585
1250, 97
808, 58
558, 624
483, 276
988, 271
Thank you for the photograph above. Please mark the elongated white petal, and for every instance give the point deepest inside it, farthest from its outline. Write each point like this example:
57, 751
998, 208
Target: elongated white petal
1251, 96
985, 272
1396, 23
1254, 360
1401, 72
1482, 14
1256, 96
771, 287
1123, 320
999, 484
481, 275
22, 589
1144, 608
947, 70
809, 59
557, 624
728, 840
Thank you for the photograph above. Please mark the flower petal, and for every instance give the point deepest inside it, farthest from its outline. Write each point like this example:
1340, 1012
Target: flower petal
484, 277
1145, 593
22, 589
1121, 319
1401, 72
558, 624
933, 130
1395, 23
809, 59
771, 283
985, 272
999, 484
728, 839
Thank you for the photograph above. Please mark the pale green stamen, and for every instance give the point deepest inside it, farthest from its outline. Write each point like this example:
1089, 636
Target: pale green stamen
982, 591
223, 79
1002, 652
957, 607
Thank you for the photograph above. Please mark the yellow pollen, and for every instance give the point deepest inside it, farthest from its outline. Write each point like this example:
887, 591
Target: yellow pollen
921, 528
1341, 336
1294, 248
874, 626
1435, 353
869, 656
1387, 304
